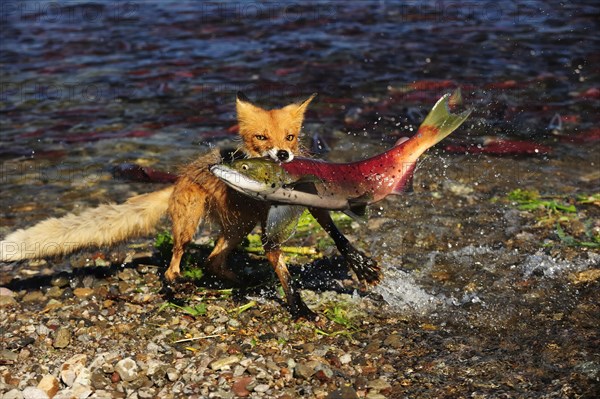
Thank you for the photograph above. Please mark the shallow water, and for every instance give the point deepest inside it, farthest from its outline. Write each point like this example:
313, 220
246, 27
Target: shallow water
87, 86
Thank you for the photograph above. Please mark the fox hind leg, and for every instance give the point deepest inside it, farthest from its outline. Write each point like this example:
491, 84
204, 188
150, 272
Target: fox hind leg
217, 260
186, 207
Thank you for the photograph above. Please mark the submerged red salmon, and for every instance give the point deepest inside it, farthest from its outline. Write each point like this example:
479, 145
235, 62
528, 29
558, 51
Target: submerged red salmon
341, 186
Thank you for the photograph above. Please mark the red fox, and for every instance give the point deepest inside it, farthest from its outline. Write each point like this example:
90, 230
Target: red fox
196, 195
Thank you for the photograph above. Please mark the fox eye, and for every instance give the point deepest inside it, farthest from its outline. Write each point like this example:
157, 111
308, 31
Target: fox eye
244, 166
260, 137
289, 137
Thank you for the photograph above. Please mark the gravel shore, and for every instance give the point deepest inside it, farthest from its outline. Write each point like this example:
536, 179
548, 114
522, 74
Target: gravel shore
113, 335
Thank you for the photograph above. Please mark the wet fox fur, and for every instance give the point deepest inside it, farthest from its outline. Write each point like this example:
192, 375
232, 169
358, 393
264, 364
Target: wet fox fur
196, 195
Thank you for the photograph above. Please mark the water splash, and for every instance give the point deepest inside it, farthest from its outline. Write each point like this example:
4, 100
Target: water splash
400, 290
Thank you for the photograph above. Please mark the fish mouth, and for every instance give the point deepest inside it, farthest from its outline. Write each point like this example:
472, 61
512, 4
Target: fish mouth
239, 181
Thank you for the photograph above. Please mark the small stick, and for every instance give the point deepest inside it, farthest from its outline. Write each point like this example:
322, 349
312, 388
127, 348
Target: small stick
197, 338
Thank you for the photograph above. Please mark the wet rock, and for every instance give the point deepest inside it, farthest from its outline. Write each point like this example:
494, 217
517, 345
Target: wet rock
239, 387
33, 296
8, 356
345, 358
49, 384
146, 393
60, 281
128, 275
394, 340
225, 362
83, 292
54, 292
375, 395
261, 388
379, 384
71, 368
343, 393
6, 300
303, 371
34, 393
125, 287
6, 292
99, 380
323, 373
172, 374
77, 391
84, 378
127, 369
62, 339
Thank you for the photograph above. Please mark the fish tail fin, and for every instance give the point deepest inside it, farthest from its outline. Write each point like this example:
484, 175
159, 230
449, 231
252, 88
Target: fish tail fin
440, 122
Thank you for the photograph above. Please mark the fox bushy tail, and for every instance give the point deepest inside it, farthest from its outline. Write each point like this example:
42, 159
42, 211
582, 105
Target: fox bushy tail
105, 225
439, 123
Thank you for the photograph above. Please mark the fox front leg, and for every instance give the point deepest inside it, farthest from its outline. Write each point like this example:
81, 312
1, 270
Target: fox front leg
365, 268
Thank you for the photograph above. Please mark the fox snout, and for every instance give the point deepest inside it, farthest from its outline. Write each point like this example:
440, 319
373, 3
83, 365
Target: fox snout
283, 155
280, 155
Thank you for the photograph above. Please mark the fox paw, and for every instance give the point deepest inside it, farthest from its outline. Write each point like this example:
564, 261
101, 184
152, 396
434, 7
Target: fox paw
365, 268
299, 310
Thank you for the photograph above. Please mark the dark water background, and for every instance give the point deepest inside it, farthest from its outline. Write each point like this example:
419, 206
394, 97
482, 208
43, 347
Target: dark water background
86, 85
89, 85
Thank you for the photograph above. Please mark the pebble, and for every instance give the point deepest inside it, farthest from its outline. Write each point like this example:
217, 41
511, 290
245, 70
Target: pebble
62, 339
6, 292
394, 340
99, 380
6, 300
261, 388
127, 369
345, 392
84, 378
225, 362
34, 393
54, 292
172, 374
379, 384
33, 296
13, 394
49, 384
71, 368
240, 386
83, 292
303, 371
345, 358
7, 355
60, 282
146, 393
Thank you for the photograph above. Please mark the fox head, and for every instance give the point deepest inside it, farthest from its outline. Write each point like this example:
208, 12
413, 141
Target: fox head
272, 133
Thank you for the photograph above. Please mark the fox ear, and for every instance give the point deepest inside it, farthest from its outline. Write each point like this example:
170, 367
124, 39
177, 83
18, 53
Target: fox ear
300, 109
242, 97
244, 108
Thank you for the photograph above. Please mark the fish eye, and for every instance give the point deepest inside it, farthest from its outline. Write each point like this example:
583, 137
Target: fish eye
260, 137
289, 137
244, 166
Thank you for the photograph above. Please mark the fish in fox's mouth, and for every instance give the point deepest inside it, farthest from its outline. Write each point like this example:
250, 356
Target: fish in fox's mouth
349, 186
